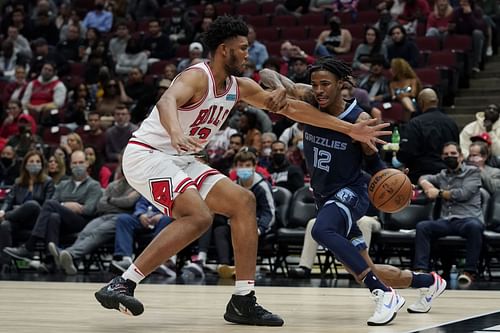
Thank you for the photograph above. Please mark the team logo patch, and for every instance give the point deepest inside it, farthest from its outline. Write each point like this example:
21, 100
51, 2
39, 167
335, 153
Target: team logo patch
162, 193
347, 197
230, 97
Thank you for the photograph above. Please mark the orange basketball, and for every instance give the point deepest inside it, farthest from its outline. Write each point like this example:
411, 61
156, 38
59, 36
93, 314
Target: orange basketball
390, 190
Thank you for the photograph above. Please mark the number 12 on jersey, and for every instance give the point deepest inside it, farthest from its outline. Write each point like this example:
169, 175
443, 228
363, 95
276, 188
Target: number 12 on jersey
202, 133
322, 159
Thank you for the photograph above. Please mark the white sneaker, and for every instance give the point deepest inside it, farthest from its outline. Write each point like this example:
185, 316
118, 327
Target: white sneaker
427, 295
387, 305
489, 51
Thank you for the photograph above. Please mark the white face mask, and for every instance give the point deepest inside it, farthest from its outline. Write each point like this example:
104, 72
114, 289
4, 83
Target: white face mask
266, 151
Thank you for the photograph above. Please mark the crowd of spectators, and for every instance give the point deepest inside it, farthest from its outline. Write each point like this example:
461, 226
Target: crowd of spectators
78, 79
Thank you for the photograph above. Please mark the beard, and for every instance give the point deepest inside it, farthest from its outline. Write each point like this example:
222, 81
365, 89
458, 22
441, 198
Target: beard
232, 67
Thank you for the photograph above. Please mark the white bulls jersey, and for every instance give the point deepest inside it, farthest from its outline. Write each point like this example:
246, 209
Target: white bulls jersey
201, 120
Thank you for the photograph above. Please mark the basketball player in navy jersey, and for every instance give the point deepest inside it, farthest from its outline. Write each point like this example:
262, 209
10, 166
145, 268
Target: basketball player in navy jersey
340, 190
159, 162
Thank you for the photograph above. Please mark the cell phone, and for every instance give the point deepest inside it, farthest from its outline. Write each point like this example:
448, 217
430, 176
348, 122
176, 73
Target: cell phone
64, 139
387, 105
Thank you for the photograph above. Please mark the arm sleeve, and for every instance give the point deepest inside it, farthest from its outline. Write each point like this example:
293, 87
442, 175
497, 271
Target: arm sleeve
470, 186
125, 201
60, 95
93, 195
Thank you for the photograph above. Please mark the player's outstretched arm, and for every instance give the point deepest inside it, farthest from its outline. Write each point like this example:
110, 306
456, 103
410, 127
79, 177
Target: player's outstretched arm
188, 88
366, 131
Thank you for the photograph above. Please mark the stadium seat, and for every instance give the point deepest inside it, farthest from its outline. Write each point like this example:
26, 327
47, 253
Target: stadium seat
251, 8
312, 19
428, 44
157, 68
267, 34
284, 21
52, 135
295, 33
260, 21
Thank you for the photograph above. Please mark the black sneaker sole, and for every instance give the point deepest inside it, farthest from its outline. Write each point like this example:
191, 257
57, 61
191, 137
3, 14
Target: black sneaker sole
125, 304
247, 321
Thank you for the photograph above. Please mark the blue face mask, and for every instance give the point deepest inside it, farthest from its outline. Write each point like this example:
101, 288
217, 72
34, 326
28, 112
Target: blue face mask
244, 173
300, 145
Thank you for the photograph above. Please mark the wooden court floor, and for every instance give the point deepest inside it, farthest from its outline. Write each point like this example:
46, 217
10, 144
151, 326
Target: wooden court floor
70, 307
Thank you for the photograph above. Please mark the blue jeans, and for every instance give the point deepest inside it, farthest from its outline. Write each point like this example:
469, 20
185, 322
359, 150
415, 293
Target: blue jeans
469, 228
126, 226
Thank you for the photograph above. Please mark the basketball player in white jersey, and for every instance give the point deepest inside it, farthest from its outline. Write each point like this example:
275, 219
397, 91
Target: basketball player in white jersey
159, 163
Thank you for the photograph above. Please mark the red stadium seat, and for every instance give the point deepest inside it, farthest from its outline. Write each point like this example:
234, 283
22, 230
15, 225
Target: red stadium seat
306, 45
248, 9
267, 34
429, 76
76, 69
268, 7
394, 113
284, 21
274, 48
52, 135
157, 68
224, 8
356, 30
315, 31
295, 33
428, 44
444, 58
458, 43
261, 21
369, 17
182, 51
312, 19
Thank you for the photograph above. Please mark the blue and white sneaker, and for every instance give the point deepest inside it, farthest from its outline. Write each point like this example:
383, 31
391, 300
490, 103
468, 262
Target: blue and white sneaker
427, 295
387, 304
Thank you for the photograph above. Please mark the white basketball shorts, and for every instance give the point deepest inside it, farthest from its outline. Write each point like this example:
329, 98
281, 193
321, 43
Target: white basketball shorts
161, 177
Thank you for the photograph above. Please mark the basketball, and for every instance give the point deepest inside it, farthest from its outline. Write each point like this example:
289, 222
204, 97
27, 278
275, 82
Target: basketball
390, 190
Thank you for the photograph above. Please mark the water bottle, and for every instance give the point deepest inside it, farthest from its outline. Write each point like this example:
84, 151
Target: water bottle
453, 277
150, 214
395, 136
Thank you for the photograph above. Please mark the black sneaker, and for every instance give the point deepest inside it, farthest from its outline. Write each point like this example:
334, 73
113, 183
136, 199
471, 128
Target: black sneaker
119, 294
299, 272
245, 310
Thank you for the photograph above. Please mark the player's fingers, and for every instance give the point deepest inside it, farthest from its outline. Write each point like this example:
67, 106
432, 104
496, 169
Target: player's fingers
372, 145
380, 141
378, 127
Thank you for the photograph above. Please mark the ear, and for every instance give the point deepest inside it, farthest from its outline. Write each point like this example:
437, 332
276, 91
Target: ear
224, 49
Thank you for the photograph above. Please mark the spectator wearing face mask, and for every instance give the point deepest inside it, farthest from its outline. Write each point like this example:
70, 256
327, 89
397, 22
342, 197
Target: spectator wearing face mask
282, 172
9, 167
22, 205
73, 205
478, 156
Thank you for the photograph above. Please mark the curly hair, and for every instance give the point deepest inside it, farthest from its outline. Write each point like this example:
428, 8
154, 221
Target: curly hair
402, 70
222, 29
338, 68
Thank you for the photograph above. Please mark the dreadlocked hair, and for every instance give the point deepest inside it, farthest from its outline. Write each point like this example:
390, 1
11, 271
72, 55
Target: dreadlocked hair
222, 29
338, 68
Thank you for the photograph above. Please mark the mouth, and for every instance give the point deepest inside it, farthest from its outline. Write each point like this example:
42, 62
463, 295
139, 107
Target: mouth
322, 101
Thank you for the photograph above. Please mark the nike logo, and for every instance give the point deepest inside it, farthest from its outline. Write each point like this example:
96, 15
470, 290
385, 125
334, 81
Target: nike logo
428, 299
238, 312
389, 305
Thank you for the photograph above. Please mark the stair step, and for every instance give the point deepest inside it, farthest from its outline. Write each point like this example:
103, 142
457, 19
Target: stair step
477, 101
460, 118
472, 110
489, 73
486, 91
488, 82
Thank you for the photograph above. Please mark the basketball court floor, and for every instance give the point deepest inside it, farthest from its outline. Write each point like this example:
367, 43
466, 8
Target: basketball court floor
316, 306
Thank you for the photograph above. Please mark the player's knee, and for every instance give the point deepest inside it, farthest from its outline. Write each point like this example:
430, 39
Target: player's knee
245, 200
203, 219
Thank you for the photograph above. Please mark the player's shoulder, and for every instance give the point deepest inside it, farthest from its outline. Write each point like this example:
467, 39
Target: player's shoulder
193, 75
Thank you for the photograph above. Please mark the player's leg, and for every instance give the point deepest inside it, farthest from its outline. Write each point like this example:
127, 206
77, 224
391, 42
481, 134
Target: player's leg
332, 226
238, 204
163, 183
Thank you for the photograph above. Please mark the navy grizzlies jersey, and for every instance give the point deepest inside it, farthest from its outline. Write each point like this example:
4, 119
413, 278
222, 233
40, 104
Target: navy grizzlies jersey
333, 159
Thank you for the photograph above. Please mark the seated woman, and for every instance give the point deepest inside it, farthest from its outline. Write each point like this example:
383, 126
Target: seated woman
371, 46
97, 170
24, 201
404, 86
56, 168
333, 41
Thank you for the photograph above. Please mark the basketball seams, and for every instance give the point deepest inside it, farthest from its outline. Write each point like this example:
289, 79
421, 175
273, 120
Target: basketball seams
398, 192
385, 178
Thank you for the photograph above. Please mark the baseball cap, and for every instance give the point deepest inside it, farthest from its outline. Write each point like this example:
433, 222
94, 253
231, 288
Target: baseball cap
194, 46
485, 137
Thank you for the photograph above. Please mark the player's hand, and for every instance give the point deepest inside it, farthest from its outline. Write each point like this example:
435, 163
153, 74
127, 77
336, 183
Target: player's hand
184, 143
276, 100
368, 131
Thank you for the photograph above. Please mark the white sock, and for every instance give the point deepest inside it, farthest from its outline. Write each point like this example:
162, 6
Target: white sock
244, 287
202, 256
173, 258
134, 274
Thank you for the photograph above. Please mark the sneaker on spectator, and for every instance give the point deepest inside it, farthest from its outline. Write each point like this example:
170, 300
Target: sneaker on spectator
21, 253
226, 271
54, 251
489, 51
123, 264
245, 310
118, 294
465, 279
167, 269
67, 264
192, 271
300, 272
427, 295
387, 304
476, 69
